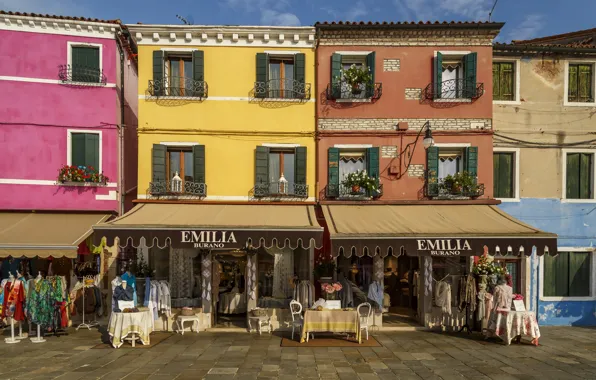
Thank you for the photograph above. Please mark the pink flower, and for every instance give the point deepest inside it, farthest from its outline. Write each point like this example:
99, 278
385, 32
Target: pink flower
329, 289
337, 286
518, 297
324, 286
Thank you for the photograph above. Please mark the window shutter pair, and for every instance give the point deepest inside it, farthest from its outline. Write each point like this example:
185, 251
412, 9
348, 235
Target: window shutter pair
336, 80
470, 63
333, 180
503, 81
198, 71
262, 74
262, 166
85, 150
158, 163
432, 167
567, 275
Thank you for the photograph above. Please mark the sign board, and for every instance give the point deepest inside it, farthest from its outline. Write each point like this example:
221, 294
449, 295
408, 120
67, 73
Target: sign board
333, 304
126, 305
444, 247
518, 305
209, 239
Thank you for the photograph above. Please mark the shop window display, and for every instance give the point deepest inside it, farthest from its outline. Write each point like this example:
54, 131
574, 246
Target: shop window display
357, 273
401, 280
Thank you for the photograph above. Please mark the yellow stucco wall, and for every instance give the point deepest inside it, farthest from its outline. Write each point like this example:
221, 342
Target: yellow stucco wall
228, 122
542, 117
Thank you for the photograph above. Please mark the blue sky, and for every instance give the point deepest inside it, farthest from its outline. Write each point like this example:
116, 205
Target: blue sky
524, 18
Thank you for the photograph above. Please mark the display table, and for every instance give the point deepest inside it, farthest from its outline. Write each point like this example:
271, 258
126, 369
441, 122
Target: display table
509, 325
137, 325
263, 321
181, 319
337, 321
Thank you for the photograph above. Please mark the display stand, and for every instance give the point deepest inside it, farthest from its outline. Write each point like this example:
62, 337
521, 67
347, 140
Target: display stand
38, 338
85, 285
12, 338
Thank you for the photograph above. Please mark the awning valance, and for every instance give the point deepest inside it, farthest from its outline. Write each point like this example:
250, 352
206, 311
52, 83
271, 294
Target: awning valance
434, 230
45, 234
215, 226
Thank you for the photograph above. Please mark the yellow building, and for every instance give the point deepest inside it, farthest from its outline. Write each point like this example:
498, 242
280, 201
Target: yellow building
226, 188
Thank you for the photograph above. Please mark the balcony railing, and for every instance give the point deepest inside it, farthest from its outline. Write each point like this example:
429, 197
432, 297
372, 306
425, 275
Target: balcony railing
366, 91
281, 189
177, 188
442, 190
181, 87
454, 89
81, 75
342, 192
282, 89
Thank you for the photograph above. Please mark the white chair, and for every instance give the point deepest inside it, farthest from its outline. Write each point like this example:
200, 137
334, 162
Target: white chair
297, 319
364, 316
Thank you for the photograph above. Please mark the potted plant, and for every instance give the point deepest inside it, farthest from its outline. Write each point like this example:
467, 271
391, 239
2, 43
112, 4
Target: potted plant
70, 173
354, 77
462, 182
359, 182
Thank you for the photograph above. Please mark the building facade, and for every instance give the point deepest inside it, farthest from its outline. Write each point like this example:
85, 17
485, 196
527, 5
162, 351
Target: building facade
544, 164
65, 127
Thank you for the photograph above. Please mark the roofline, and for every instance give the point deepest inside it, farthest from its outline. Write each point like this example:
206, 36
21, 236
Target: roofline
453, 25
61, 19
222, 28
556, 36
542, 49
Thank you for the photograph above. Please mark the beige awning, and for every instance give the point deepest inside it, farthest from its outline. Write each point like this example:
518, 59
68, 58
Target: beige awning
44, 234
215, 226
431, 230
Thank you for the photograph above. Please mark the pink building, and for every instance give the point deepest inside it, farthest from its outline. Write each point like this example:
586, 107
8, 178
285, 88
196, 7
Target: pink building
62, 82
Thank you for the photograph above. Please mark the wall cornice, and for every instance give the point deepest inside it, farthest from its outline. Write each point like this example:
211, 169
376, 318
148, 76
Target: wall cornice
46, 25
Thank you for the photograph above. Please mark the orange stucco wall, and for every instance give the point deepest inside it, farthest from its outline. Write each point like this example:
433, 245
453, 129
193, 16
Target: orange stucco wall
416, 71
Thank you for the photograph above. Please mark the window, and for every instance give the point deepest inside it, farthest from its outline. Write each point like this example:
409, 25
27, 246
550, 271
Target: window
567, 275
85, 150
344, 89
179, 162
579, 181
281, 171
580, 87
179, 75
455, 75
513, 268
504, 81
177, 169
450, 161
281, 75
85, 63
504, 175
346, 159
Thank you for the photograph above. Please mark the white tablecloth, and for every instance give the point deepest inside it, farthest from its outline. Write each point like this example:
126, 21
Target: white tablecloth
232, 303
510, 324
123, 324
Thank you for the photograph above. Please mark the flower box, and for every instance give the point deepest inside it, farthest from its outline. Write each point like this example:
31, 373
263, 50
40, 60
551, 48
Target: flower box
82, 175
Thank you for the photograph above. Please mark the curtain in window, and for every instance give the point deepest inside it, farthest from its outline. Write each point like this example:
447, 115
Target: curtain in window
289, 80
274, 77
350, 164
283, 272
448, 166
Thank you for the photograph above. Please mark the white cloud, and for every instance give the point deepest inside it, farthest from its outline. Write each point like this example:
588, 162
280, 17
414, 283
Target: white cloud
443, 10
356, 12
274, 18
528, 28
273, 12
53, 7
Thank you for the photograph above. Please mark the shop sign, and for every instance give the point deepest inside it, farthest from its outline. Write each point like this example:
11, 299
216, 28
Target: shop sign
209, 239
444, 247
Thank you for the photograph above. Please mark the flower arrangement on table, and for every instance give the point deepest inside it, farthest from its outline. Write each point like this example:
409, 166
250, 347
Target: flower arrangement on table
330, 289
486, 267
324, 266
355, 77
360, 181
70, 173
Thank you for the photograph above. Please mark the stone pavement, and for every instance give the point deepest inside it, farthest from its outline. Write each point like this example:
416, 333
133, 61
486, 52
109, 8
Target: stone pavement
564, 353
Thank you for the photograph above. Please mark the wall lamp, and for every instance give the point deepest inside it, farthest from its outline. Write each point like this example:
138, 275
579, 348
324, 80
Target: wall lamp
410, 148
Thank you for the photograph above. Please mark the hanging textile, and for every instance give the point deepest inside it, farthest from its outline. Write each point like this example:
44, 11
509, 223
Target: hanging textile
467, 293
304, 293
206, 283
131, 281
283, 272
443, 296
13, 304
481, 303
181, 272
346, 295
251, 272
375, 293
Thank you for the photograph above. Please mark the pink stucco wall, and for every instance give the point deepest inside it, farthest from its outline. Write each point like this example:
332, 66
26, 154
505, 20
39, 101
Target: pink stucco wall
36, 116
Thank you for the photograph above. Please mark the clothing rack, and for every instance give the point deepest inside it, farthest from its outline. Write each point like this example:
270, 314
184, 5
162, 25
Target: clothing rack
94, 323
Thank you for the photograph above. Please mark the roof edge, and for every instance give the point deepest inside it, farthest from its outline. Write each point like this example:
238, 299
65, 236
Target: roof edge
58, 18
411, 25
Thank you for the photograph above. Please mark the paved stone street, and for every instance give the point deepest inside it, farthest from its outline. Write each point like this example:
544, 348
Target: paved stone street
564, 353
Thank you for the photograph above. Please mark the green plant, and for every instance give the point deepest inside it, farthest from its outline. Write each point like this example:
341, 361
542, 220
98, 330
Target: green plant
324, 266
355, 75
462, 182
484, 266
69, 173
361, 180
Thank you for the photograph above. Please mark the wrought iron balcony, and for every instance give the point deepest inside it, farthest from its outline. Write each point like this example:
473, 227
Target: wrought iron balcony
281, 189
81, 75
454, 90
177, 188
180, 87
365, 91
342, 192
442, 190
282, 89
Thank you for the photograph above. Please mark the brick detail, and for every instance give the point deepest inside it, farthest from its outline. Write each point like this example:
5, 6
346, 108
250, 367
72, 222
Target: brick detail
413, 124
389, 151
390, 64
416, 171
413, 93
404, 37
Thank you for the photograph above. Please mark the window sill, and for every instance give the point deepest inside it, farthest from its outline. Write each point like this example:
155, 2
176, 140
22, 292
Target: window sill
453, 100
559, 299
565, 200
367, 100
76, 83
507, 102
508, 200
84, 184
578, 104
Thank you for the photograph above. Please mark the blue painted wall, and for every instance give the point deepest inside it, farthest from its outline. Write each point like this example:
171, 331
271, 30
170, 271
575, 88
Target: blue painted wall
575, 224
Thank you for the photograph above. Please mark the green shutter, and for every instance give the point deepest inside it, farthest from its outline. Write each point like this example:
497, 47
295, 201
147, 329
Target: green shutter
262, 166
572, 176
471, 161
496, 81
503, 81
158, 73
333, 172
198, 70
300, 165
158, 163
336, 75
372, 162
470, 75
432, 170
585, 176
556, 275
572, 92
198, 163
262, 72
92, 150
77, 149
585, 83
85, 64
438, 75
370, 63
299, 74
579, 274
503, 175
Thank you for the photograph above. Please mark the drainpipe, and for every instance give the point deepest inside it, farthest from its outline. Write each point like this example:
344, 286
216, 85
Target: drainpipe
316, 117
121, 188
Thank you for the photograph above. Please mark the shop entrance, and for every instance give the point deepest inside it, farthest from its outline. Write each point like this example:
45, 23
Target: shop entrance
229, 293
401, 290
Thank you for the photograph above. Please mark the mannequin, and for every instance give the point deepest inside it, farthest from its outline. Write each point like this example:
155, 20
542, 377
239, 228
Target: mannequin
122, 292
14, 298
503, 296
132, 282
38, 278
